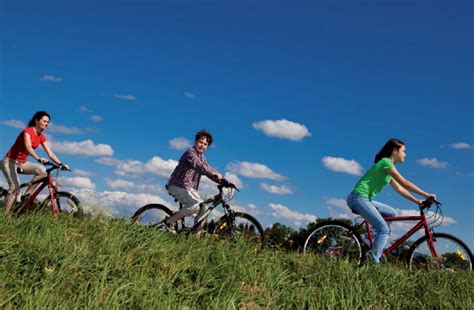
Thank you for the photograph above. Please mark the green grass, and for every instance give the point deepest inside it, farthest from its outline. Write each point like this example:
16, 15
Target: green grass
104, 263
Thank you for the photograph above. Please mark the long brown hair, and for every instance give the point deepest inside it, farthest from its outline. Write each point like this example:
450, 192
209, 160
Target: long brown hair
388, 148
38, 115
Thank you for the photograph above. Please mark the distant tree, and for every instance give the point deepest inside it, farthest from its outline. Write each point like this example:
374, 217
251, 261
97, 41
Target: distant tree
278, 235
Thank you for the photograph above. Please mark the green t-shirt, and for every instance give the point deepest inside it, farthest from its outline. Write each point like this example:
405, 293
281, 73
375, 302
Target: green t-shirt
374, 179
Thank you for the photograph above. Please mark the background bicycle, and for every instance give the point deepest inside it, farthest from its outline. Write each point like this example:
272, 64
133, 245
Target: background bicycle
231, 225
57, 201
337, 239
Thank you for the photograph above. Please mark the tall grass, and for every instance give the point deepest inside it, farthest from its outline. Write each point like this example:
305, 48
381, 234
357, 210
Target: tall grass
103, 263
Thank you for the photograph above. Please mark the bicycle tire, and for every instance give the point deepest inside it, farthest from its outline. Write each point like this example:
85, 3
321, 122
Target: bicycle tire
67, 202
153, 216
335, 240
239, 225
453, 254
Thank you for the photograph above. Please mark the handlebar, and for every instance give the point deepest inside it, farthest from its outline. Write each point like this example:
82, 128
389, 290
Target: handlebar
426, 204
226, 184
55, 166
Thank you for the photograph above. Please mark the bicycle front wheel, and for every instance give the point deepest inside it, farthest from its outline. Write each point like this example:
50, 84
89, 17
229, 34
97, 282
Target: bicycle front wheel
65, 203
334, 240
240, 225
153, 215
452, 254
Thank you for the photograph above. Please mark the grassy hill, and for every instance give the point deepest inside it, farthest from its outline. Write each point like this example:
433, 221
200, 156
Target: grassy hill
103, 263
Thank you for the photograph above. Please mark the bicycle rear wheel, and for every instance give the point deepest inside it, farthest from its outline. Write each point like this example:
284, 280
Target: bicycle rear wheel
65, 203
335, 240
153, 215
240, 225
453, 254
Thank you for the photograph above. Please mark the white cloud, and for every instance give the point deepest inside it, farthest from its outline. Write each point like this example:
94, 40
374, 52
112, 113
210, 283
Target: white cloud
233, 178
338, 208
190, 95
461, 146
297, 218
86, 148
156, 166
180, 143
125, 97
249, 209
13, 123
64, 130
464, 174
279, 190
120, 184
117, 203
84, 109
254, 170
51, 78
96, 118
342, 165
77, 182
82, 173
108, 161
432, 162
283, 128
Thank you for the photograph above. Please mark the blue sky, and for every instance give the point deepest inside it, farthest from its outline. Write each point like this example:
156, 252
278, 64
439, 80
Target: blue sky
299, 97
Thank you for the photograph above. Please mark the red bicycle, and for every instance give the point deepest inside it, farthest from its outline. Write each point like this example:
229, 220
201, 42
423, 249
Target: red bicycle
336, 239
57, 201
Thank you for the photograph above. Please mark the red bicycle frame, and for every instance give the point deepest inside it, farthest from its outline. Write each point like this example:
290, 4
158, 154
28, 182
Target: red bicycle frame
422, 223
46, 181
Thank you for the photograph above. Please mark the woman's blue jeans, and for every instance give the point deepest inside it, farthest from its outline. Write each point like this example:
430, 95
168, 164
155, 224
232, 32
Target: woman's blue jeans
373, 212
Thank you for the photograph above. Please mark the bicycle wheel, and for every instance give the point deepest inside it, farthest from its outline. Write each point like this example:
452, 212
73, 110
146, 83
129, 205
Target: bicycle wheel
153, 215
335, 240
453, 254
65, 203
239, 225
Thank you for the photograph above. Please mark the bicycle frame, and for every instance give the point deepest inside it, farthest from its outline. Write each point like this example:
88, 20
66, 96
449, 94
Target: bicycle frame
422, 223
46, 181
214, 202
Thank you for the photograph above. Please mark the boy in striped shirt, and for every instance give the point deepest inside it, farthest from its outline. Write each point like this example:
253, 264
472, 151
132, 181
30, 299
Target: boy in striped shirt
184, 181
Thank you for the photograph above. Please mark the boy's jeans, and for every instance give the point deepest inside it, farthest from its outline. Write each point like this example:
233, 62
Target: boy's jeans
373, 212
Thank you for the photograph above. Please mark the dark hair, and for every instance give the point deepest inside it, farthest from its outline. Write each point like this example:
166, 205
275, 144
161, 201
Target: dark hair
388, 148
204, 133
38, 115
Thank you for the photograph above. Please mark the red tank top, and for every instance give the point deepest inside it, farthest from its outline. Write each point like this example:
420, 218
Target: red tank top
18, 151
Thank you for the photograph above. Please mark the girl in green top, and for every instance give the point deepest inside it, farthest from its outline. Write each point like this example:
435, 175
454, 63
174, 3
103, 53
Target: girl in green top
380, 174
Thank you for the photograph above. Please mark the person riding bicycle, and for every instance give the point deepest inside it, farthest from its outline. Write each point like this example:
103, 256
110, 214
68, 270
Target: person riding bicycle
15, 160
184, 181
360, 200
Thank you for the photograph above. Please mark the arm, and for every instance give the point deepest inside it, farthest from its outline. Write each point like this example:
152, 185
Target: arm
192, 159
50, 153
404, 184
402, 191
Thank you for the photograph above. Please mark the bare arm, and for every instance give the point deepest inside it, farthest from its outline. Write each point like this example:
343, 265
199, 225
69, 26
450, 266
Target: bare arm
402, 191
50, 153
404, 184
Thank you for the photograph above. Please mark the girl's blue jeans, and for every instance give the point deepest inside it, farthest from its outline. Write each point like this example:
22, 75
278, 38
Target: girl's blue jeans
373, 212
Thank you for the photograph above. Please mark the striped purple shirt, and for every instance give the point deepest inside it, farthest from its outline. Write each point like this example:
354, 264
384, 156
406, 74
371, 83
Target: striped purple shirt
191, 166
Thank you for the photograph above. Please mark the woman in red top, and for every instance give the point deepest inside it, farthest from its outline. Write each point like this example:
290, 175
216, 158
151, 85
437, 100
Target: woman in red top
26, 143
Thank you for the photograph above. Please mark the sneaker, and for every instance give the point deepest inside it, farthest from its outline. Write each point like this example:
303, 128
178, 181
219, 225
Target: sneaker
168, 228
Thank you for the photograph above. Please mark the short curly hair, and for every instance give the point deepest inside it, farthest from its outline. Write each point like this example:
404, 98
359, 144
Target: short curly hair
204, 133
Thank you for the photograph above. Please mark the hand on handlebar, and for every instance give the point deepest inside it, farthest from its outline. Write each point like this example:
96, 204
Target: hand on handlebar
64, 167
43, 160
217, 177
